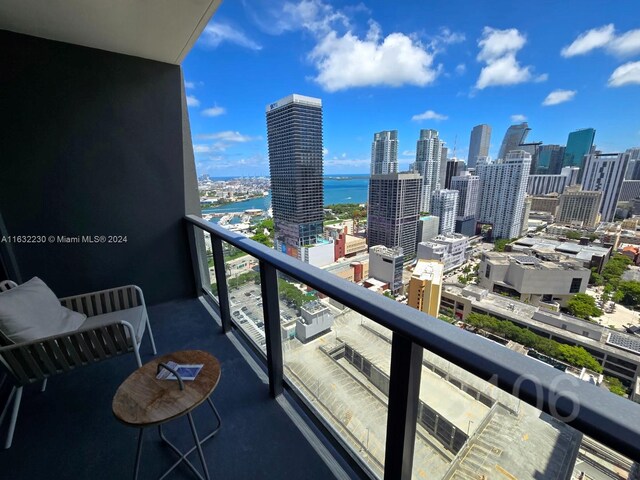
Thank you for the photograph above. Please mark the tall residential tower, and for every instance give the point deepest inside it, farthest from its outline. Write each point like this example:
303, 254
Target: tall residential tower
503, 187
604, 172
429, 155
294, 134
516, 134
384, 152
479, 143
392, 218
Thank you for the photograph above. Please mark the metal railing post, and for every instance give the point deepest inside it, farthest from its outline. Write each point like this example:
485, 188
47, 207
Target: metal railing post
271, 312
404, 390
195, 258
221, 283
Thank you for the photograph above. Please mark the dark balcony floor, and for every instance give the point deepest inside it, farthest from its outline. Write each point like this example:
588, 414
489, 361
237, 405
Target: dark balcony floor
69, 432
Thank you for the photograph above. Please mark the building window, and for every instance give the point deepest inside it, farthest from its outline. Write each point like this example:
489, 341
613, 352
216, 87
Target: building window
575, 285
487, 271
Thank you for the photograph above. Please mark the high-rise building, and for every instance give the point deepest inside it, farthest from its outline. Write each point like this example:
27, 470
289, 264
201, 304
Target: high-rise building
444, 204
385, 264
532, 148
449, 249
579, 144
479, 143
526, 210
550, 159
604, 172
503, 187
425, 287
576, 207
515, 135
428, 159
392, 218
428, 227
633, 169
545, 184
294, 134
384, 152
468, 187
452, 167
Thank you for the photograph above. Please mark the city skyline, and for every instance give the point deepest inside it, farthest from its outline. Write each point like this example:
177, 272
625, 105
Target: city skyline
561, 82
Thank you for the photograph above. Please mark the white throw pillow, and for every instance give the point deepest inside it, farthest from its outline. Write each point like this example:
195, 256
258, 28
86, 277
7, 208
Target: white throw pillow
32, 311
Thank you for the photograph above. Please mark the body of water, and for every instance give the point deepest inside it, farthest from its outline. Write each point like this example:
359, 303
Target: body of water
337, 189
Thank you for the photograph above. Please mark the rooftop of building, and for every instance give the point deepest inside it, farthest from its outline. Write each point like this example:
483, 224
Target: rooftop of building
314, 307
546, 262
386, 251
583, 252
449, 237
523, 312
430, 270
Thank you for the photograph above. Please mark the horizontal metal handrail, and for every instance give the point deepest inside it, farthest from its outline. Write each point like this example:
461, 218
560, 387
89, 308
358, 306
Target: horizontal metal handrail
607, 418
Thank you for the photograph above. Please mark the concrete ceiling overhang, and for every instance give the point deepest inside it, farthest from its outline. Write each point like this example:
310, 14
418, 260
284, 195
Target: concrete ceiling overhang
162, 30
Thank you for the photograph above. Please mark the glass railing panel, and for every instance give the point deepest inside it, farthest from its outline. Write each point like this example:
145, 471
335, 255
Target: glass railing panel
245, 296
207, 269
469, 428
338, 367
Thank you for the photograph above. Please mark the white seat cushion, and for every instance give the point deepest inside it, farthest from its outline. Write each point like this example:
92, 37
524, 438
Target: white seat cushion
31, 311
136, 316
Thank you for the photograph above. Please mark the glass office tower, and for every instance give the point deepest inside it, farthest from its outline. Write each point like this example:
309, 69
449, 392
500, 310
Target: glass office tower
579, 144
294, 134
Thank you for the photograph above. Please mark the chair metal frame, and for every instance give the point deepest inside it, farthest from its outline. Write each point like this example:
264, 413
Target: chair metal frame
37, 360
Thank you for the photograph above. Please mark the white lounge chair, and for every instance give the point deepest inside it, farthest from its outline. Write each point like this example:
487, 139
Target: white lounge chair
115, 324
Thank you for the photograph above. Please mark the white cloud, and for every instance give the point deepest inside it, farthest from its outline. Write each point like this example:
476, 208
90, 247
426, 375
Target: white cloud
461, 68
624, 44
498, 49
587, 41
214, 111
200, 148
325, 152
495, 44
409, 153
559, 96
228, 136
189, 85
192, 101
429, 115
627, 74
518, 118
345, 61
216, 33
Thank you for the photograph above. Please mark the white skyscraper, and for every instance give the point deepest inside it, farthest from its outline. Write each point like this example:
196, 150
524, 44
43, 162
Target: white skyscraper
468, 187
384, 152
479, 143
604, 172
503, 187
444, 204
429, 150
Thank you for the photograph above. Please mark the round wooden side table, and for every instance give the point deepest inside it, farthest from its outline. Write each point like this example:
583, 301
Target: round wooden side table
143, 401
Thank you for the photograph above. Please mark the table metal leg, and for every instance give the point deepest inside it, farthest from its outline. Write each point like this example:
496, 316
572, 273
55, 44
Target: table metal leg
183, 456
136, 469
198, 446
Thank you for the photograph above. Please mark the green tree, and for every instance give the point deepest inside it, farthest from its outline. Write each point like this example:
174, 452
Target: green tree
628, 293
262, 238
499, 245
616, 386
596, 278
578, 357
583, 306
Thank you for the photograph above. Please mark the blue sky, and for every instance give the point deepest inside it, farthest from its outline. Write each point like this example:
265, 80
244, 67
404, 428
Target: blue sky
447, 65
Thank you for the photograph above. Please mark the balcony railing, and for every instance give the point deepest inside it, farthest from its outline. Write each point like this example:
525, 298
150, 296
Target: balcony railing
610, 420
